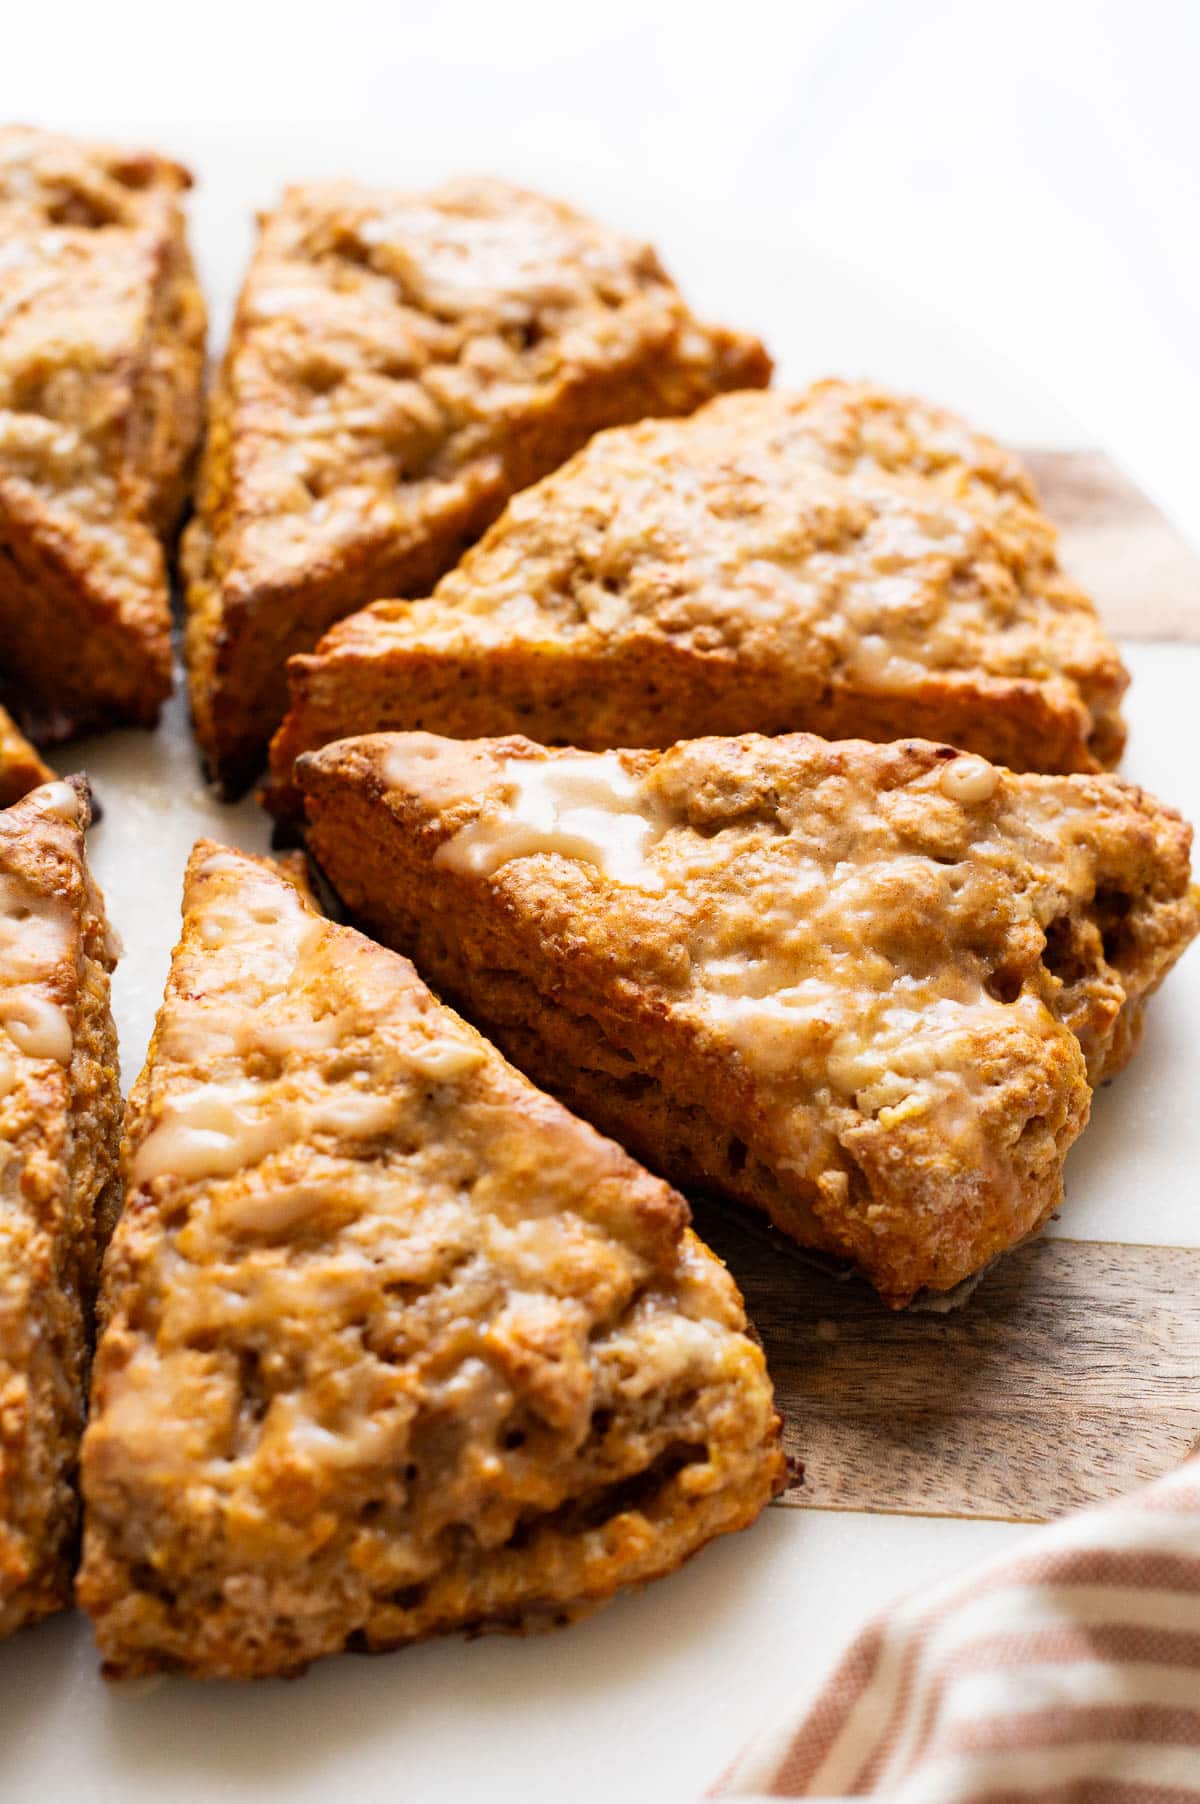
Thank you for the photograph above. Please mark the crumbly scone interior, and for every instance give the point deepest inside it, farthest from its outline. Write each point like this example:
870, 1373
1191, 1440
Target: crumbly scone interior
392, 1345
852, 985
60, 1108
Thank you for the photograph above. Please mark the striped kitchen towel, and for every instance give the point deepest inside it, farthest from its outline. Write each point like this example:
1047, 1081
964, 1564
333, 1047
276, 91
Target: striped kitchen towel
1067, 1672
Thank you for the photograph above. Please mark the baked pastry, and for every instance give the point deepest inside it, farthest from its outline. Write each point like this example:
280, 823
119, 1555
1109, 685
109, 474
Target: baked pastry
393, 1346
844, 560
101, 365
22, 768
60, 1115
865, 989
399, 365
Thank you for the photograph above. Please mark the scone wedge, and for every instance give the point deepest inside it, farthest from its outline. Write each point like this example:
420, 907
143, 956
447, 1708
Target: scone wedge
22, 766
865, 989
392, 1344
101, 365
844, 561
60, 1123
400, 364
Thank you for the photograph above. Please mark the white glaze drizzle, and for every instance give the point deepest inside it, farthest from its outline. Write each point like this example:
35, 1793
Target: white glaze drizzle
35, 940
584, 808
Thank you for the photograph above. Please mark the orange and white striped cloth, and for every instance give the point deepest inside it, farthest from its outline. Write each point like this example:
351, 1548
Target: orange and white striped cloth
1066, 1672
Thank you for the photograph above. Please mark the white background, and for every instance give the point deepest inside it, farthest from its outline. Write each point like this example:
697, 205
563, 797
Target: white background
997, 205
1025, 176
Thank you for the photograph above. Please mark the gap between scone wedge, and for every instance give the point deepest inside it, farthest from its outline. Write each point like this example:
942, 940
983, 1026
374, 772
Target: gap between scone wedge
60, 1123
101, 364
401, 364
866, 989
843, 561
392, 1345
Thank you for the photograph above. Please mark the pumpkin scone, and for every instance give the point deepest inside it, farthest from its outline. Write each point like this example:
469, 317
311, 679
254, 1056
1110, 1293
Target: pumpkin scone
392, 1345
866, 989
22, 767
101, 365
60, 1123
845, 561
400, 364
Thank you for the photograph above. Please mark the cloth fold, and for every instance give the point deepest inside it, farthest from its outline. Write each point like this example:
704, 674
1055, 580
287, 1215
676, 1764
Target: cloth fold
1064, 1672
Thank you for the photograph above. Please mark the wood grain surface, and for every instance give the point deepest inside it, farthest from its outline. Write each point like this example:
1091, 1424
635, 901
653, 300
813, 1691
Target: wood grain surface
1071, 1374
1143, 575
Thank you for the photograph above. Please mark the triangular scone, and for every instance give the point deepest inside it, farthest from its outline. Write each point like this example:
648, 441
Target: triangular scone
21, 766
60, 1124
101, 364
400, 364
843, 561
392, 1344
860, 987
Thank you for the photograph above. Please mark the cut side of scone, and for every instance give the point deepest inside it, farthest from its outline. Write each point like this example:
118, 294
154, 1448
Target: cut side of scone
865, 989
60, 1124
844, 561
22, 767
401, 364
101, 364
392, 1345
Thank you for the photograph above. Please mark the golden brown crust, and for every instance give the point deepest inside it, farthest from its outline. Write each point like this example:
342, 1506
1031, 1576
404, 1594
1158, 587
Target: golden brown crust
400, 364
60, 1111
859, 987
392, 1345
844, 560
101, 365
21, 766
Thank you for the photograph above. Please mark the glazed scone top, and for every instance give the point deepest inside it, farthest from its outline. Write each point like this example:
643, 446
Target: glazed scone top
57, 1093
388, 344
845, 534
39, 930
866, 921
373, 1298
86, 426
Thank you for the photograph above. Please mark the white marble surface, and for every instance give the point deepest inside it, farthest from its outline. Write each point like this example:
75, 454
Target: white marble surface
646, 1701
996, 207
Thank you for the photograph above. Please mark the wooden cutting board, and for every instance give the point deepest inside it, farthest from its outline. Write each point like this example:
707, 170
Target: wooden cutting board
1143, 574
1073, 1372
